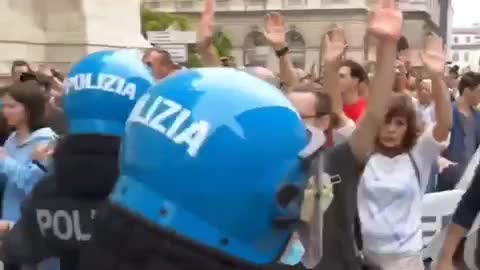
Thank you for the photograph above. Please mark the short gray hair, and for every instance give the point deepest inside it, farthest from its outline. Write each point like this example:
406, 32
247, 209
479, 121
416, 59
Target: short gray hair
262, 73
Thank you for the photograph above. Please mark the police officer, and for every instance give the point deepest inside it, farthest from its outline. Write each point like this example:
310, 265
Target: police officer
57, 218
212, 174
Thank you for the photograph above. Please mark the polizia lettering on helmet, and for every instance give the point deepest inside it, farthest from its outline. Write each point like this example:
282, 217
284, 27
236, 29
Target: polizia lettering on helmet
103, 82
153, 112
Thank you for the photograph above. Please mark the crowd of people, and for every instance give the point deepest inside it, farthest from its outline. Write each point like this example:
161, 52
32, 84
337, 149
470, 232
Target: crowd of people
426, 141
375, 143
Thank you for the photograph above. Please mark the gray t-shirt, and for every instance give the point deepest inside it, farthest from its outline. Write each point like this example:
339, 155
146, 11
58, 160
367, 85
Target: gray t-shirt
470, 140
339, 251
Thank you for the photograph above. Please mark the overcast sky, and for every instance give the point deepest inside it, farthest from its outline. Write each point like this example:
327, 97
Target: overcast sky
465, 12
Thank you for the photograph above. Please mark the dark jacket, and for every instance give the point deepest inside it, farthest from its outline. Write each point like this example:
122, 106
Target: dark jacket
339, 249
469, 206
56, 120
124, 242
468, 209
57, 216
456, 150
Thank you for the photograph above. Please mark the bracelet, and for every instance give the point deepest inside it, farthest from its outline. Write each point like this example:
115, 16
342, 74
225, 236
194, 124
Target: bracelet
282, 52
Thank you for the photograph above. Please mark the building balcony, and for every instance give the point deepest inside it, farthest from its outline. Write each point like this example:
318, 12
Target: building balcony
253, 5
430, 7
172, 5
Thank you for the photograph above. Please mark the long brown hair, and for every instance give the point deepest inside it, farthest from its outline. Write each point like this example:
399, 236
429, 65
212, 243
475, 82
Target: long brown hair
30, 95
401, 105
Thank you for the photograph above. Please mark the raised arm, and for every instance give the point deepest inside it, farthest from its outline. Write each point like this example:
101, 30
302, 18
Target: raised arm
462, 221
386, 25
275, 32
434, 61
335, 47
206, 30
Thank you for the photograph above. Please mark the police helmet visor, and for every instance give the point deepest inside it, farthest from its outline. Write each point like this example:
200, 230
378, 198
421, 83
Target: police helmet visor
317, 140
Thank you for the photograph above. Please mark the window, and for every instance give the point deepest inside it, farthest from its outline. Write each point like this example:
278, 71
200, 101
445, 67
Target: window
295, 2
297, 48
222, 3
465, 57
455, 57
153, 4
184, 4
455, 40
335, 1
469, 39
256, 2
255, 49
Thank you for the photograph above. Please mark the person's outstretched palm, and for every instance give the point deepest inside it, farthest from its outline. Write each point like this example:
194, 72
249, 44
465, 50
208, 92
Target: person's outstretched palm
275, 30
433, 57
207, 24
335, 45
387, 21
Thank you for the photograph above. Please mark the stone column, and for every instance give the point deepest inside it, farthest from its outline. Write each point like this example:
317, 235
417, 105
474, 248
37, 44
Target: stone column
59, 32
20, 34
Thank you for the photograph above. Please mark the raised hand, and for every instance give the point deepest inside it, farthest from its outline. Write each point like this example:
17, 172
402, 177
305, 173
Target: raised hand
400, 66
433, 56
387, 21
207, 25
3, 152
445, 265
335, 45
42, 152
275, 30
404, 56
5, 226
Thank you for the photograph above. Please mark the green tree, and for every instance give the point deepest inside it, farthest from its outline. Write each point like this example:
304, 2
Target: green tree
161, 21
223, 44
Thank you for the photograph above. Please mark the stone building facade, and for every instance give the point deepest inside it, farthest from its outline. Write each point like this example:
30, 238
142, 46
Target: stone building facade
308, 20
465, 48
60, 32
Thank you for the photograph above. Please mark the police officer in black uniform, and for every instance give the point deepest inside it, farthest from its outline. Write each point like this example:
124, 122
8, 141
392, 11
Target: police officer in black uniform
56, 221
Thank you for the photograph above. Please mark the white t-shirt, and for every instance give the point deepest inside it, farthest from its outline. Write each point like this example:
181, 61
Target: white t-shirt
389, 198
344, 133
428, 113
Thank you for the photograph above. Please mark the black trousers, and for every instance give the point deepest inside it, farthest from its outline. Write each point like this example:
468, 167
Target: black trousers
11, 267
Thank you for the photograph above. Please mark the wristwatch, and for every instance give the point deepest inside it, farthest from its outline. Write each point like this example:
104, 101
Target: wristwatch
282, 51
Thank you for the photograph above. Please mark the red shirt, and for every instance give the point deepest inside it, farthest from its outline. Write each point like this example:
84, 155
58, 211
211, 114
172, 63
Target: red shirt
356, 110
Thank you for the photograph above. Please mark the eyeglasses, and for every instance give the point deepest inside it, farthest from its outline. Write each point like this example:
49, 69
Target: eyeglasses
319, 115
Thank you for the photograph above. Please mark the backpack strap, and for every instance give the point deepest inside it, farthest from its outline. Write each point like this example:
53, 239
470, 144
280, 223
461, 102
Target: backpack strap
415, 167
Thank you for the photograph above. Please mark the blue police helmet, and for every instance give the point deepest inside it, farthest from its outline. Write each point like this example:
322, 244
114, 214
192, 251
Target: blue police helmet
206, 155
102, 89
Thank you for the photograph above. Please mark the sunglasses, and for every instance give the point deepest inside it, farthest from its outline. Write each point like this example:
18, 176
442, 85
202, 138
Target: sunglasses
319, 115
